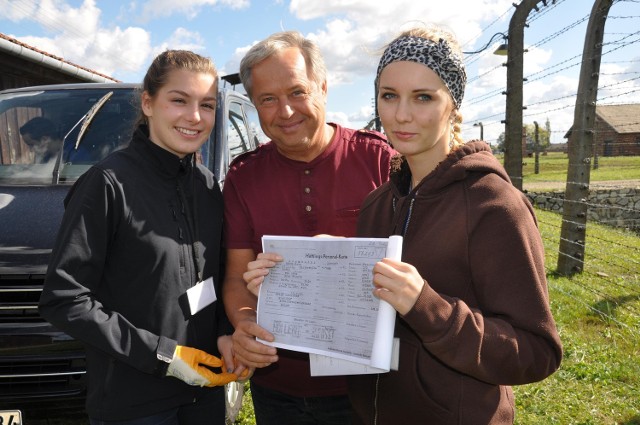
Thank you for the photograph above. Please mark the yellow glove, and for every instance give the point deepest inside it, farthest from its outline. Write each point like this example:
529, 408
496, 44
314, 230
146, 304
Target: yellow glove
189, 365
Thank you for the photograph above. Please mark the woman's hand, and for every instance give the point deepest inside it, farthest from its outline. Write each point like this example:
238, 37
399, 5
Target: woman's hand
258, 269
225, 346
397, 283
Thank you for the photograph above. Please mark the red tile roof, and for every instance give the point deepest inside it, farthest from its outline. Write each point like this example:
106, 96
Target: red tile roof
26, 46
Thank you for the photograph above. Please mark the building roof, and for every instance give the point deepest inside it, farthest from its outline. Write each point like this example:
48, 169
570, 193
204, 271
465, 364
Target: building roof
624, 118
17, 48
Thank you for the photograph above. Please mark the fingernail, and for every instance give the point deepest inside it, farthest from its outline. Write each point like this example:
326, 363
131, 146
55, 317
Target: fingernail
229, 370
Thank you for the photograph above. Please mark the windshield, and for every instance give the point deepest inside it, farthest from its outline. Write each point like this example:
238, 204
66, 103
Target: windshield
40, 128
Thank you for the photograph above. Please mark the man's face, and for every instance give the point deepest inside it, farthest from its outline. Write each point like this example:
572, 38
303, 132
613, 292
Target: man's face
290, 105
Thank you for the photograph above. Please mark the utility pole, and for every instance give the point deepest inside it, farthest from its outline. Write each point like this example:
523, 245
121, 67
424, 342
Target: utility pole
513, 118
537, 149
574, 216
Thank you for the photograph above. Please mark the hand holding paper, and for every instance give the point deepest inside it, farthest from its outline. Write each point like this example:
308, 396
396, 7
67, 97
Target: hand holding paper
247, 349
397, 283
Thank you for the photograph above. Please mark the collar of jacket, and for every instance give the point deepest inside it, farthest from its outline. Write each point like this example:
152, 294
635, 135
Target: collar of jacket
453, 168
167, 163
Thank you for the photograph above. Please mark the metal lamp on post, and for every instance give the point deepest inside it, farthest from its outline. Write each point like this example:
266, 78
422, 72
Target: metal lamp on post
500, 51
479, 124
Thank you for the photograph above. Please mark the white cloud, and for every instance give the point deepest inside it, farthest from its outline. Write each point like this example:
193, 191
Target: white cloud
233, 64
16, 11
536, 60
385, 19
355, 31
182, 39
54, 16
340, 118
119, 50
189, 8
619, 83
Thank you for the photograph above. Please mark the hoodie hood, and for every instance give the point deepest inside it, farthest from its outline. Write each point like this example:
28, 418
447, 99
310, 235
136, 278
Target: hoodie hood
472, 157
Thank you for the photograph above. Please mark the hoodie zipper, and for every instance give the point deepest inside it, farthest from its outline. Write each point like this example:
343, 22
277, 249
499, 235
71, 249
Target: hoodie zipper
408, 217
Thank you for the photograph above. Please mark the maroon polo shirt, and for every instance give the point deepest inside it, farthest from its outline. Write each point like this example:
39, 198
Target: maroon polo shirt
266, 193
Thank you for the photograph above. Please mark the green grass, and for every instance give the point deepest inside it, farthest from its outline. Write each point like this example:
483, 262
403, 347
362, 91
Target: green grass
553, 168
598, 318
246, 416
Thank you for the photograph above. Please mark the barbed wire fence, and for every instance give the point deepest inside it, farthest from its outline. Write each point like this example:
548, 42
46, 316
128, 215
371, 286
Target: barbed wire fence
615, 206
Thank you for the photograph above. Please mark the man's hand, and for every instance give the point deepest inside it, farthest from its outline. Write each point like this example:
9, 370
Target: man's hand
240, 305
248, 351
189, 365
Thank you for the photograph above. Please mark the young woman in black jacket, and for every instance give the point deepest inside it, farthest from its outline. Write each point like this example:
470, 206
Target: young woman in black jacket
135, 272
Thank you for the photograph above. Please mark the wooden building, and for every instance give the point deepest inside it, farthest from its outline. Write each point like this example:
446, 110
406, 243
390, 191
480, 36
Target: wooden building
616, 130
22, 65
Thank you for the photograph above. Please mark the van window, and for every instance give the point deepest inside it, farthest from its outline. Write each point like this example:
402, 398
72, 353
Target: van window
39, 133
254, 126
237, 136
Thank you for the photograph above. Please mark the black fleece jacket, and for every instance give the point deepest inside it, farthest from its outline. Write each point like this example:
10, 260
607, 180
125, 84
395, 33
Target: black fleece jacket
123, 259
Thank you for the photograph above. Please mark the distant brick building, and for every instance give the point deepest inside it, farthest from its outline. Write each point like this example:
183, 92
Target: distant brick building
616, 130
22, 65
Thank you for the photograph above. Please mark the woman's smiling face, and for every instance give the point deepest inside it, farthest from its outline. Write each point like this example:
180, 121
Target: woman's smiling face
182, 114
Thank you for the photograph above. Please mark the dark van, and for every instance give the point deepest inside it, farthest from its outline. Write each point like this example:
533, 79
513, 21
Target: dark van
42, 369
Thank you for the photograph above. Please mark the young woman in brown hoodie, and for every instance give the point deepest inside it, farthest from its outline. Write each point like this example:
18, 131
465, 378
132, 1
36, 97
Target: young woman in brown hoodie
470, 290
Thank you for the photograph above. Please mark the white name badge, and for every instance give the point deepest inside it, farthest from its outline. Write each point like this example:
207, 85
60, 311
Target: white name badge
201, 295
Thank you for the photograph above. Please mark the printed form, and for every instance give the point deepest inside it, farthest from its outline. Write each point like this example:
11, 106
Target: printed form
319, 300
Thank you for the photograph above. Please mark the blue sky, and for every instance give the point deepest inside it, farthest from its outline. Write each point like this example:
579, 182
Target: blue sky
120, 39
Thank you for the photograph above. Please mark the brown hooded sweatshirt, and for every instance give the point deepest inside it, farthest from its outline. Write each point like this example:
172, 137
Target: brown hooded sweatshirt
482, 322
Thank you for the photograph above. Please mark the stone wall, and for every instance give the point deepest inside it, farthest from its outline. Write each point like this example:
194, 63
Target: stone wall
614, 207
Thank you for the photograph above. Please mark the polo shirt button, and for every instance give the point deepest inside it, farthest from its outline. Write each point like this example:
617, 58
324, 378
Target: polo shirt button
308, 208
307, 190
307, 172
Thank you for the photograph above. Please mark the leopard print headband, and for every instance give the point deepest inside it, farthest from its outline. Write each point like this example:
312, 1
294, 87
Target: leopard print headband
438, 56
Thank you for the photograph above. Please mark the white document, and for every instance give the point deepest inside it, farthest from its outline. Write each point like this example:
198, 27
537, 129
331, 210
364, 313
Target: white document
325, 366
319, 300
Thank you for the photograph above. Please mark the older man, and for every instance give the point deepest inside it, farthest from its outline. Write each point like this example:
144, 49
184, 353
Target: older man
309, 179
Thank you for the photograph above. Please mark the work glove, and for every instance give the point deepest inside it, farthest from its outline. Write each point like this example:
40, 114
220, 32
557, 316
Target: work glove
189, 365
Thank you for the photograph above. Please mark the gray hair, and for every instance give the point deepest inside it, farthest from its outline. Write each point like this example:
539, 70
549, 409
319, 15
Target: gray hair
277, 42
